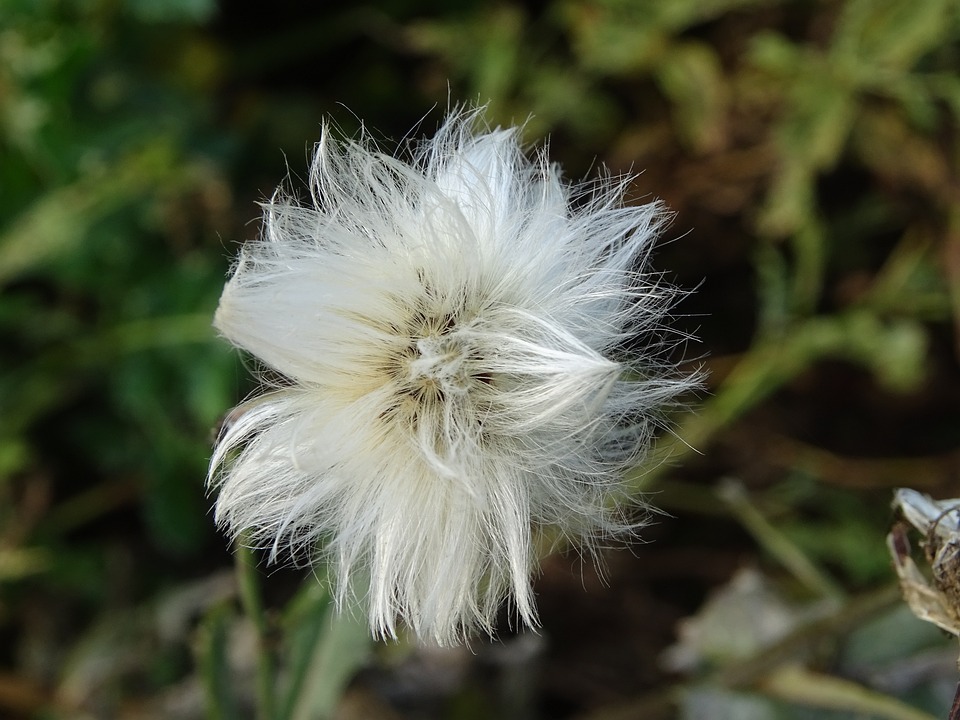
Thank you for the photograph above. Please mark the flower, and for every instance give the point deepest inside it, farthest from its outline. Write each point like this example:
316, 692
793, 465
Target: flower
470, 350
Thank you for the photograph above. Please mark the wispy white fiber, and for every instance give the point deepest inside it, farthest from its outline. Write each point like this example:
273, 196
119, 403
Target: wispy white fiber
472, 350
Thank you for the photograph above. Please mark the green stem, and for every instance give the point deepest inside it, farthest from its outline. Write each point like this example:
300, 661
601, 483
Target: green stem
776, 543
249, 581
214, 666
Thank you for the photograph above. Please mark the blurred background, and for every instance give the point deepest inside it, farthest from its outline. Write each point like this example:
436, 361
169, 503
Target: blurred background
810, 150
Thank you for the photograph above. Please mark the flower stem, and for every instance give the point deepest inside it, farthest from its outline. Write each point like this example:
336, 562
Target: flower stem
775, 542
249, 582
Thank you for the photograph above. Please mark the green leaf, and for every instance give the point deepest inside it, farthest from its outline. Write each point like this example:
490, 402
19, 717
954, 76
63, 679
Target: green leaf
327, 649
691, 76
891, 34
57, 222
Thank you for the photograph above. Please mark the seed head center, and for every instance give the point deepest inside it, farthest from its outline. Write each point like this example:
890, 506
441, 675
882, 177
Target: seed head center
441, 361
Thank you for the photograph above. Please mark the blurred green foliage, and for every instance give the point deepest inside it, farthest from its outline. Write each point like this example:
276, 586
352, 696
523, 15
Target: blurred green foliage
113, 192
811, 148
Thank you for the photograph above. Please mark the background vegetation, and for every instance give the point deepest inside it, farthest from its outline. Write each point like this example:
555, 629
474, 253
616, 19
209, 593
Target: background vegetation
810, 150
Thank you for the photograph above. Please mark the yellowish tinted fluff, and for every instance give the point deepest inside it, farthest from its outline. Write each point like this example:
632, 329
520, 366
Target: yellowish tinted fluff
473, 350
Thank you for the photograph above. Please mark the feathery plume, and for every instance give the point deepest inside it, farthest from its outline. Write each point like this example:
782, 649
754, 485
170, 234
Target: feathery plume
471, 349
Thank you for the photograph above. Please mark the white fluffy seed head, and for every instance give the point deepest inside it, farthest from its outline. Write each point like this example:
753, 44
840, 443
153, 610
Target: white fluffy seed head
473, 350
